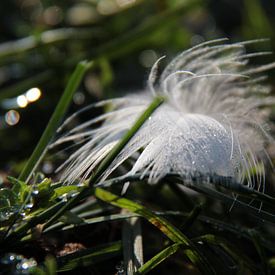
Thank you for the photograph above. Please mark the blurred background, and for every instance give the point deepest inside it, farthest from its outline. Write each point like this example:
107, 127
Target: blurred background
41, 41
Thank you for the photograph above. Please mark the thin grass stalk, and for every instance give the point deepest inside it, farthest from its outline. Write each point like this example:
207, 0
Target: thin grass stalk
157, 259
208, 185
55, 120
20, 231
86, 191
60, 208
52, 126
172, 232
89, 256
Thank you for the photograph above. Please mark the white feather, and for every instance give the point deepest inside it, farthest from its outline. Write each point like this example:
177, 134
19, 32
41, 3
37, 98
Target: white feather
211, 122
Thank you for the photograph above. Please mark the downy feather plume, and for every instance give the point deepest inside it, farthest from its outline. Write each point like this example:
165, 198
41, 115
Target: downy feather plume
212, 121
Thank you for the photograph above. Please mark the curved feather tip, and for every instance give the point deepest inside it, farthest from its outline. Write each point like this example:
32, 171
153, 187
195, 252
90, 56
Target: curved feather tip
211, 123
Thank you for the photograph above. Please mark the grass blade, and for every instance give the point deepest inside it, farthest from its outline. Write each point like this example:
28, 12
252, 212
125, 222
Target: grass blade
55, 120
20, 231
125, 139
108, 160
60, 208
157, 259
88, 256
162, 224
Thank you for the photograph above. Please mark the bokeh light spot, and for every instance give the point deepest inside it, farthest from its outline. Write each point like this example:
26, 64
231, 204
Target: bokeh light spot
33, 94
123, 3
79, 98
12, 117
22, 101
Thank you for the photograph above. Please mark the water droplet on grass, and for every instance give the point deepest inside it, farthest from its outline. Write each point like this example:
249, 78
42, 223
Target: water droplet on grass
16, 264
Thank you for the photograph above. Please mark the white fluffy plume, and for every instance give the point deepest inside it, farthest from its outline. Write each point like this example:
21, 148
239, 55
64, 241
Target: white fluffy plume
211, 122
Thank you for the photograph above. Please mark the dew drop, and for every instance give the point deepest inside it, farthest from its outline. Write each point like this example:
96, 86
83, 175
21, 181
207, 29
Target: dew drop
16, 264
64, 197
29, 205
35, 192
24, 266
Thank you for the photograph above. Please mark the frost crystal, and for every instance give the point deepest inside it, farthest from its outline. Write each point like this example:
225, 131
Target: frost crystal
212, 121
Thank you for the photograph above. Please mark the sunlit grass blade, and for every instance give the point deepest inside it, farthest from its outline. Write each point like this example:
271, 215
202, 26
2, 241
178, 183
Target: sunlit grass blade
173, 233
61, 207
86, 191
55, 120
99, 219
106, 218
91, 221
88, 256
210, 185
125, 139
159, 258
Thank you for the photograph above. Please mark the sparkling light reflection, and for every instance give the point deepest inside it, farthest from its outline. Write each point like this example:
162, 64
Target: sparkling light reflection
22, 101
33, 94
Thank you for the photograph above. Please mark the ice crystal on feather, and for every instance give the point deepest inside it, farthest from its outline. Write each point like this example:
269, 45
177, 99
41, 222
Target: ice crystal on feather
211, 121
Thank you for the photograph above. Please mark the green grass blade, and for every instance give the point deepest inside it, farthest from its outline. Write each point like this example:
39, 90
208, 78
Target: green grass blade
106, 218
157, 259
20, 231
162, 224
211, 188
91, 221
55, 120
108, 160
88, 256
61, 208
125, 139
